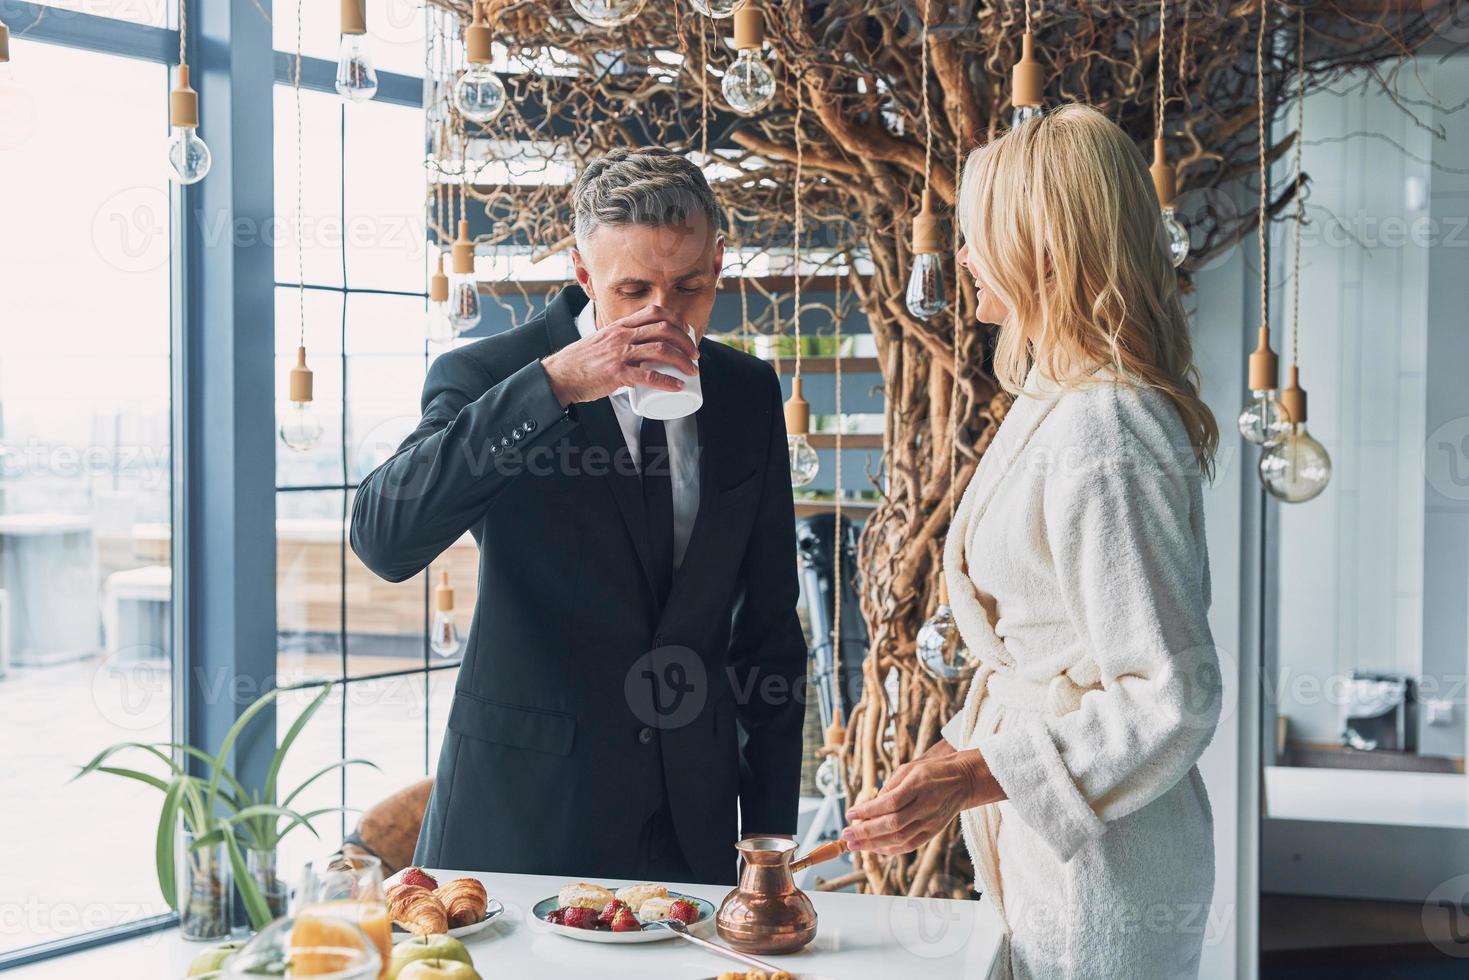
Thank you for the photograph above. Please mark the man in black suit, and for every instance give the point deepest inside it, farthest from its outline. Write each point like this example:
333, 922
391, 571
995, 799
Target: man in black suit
635, 668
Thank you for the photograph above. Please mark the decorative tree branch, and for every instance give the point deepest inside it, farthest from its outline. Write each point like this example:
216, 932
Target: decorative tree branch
578, 91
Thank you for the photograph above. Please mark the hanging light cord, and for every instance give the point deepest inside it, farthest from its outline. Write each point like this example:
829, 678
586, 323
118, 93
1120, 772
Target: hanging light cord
1264, 169
800, 168
183, 31
958, 324
300, 212
839, 544
1027, 16
1162, 43
923, 89
1295, 315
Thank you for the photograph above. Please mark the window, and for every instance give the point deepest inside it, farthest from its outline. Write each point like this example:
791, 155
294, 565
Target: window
362, 264
86, 655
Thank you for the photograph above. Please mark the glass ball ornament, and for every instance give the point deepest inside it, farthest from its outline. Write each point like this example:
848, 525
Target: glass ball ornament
805, 464
479, 95
1178, 243
942, 650
1296, 468
718, 9
608, 13
926, 286
749, 84
1263, 420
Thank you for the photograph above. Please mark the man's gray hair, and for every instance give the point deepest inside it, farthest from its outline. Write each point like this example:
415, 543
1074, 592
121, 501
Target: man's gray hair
651, 186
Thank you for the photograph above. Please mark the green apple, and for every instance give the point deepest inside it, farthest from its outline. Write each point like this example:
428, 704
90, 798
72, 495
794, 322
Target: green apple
208, 963
440, 946
438, 970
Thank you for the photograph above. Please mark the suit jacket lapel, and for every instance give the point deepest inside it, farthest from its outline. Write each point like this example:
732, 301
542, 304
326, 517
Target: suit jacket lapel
601, 429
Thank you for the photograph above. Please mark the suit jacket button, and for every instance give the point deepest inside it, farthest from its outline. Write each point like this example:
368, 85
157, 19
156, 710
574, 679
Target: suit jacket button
505, 441
530, 425
645, 735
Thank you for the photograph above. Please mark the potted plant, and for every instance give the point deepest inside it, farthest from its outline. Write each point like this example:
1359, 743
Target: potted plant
210, 822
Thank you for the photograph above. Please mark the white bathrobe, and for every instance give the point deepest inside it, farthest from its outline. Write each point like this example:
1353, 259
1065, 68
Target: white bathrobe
1077, 572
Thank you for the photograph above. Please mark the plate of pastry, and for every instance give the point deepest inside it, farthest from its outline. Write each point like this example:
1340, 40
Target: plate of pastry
420, 906
595, 914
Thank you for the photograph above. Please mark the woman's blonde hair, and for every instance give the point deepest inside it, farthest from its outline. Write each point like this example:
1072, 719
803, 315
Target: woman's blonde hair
1063, 225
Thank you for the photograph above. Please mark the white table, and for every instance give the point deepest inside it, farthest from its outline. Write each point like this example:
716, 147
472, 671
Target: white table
859, 937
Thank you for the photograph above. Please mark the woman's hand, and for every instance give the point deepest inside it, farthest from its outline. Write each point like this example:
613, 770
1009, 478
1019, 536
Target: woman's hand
920, 800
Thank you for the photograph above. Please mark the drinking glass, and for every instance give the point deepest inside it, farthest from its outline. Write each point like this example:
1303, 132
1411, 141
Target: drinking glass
345, 888
323, 949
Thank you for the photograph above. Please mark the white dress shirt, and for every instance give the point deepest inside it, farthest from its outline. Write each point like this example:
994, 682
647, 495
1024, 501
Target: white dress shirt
683, 449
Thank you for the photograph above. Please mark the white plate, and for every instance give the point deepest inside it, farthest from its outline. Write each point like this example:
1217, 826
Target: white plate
650, 934
458, 932
493, 909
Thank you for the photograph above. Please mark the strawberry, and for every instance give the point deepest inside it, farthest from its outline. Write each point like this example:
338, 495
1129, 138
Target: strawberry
685, 912
625, 921
556, 917
580, 918
419, 877
609, 912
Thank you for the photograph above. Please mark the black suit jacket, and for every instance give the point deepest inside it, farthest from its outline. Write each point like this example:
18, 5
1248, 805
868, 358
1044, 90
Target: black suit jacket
579, 700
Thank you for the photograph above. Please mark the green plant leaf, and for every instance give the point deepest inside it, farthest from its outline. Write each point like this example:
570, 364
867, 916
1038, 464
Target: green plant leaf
163, 848
339, 764
161, 785
111, 750
290, 737
232, 736
255, 904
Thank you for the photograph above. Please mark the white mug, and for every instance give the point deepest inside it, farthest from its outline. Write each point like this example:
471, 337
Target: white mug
655, 403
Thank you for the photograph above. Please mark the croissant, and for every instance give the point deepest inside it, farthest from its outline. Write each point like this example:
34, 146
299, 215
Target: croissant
465, 899
417, 909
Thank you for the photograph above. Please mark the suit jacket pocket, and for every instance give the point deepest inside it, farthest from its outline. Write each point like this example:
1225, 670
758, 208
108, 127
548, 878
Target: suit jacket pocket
733, 495
506, 724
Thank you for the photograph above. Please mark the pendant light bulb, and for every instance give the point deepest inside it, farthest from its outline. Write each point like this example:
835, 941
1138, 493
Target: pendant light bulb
188, 156
479, 95
444, 635
440, 330
1165, 183
1027, 84
301, 429
356, 77
805, 464
926, 297
464, 307
608, 13
1263, 420
1296, 468
749, 84
941, 649
718, 9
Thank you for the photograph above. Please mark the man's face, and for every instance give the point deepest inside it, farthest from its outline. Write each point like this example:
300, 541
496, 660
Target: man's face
627, 267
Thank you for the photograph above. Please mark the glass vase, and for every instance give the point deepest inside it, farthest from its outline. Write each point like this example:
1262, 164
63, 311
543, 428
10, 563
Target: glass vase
205, 884
273, 888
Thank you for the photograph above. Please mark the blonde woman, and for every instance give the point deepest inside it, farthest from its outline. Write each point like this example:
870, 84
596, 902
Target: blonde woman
1077, 571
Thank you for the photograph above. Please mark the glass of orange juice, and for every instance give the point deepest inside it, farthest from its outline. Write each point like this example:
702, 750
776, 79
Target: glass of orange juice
319, 948
344, 888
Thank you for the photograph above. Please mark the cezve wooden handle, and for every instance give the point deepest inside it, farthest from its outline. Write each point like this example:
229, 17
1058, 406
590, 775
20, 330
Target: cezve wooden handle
825, 852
